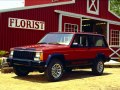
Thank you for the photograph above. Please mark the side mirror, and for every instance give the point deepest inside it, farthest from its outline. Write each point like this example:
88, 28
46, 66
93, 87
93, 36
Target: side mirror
74, 44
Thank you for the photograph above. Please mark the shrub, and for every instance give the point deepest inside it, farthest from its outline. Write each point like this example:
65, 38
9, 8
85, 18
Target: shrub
0, 62
3, 53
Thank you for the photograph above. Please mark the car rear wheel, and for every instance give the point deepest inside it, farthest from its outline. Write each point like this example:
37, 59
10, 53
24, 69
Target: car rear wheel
54, 70
98, 67
21, 71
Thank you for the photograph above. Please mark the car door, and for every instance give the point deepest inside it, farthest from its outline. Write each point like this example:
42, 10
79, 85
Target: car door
96, 46
79, 49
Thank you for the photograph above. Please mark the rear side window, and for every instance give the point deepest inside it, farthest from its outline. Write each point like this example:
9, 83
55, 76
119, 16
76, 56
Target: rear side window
97, 41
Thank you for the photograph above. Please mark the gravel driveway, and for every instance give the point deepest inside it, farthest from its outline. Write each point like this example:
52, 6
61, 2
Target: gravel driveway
76, 80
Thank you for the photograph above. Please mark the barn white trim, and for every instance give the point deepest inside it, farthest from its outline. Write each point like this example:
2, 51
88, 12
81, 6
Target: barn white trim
81, 15
96, 7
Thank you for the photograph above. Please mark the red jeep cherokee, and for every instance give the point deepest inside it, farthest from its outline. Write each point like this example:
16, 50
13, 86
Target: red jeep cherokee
59, 52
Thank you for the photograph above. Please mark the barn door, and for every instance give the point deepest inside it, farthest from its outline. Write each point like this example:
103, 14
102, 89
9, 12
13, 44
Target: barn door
115, 44
70, 24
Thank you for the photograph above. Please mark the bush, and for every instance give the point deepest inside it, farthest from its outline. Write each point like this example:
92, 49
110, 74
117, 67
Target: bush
0, 62
3, 53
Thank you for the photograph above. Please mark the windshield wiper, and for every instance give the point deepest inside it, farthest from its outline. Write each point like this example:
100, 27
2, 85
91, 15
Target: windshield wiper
54, 43
42, 43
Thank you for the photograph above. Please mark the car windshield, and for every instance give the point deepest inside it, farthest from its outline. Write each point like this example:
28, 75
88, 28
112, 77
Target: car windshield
54, 38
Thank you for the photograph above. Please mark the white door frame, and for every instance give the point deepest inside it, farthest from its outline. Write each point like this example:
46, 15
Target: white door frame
80, 16
60, 21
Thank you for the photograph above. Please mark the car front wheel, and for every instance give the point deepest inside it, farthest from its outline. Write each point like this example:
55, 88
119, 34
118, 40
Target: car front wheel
54, 70
98, 67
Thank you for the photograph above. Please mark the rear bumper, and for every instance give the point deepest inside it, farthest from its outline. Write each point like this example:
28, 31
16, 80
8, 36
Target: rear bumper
28, 63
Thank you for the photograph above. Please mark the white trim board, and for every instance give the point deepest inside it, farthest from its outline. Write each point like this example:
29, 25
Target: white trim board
60, 23
93, 5
81, 15
38, 6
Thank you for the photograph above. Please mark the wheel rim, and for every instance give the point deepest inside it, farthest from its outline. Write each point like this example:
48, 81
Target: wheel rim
100, 67
56, 71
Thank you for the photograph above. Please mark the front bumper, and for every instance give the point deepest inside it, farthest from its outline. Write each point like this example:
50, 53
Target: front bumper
28, 63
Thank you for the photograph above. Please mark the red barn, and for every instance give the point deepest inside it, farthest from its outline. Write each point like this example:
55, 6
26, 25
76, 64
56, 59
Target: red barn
38, 2
29, 24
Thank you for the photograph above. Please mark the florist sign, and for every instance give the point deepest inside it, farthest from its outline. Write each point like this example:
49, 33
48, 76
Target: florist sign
26, 24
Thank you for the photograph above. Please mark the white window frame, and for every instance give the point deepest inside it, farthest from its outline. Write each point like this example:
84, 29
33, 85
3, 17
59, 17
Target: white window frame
115, 39
93, 4
111, 11
70, 28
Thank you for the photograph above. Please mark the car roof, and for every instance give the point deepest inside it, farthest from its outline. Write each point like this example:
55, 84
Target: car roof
85, 33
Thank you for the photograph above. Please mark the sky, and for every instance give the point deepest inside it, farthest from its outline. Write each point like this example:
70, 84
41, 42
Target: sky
8, 4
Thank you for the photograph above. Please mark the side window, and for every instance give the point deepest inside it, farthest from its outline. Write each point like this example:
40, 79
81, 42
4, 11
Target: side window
97, 41
80, 41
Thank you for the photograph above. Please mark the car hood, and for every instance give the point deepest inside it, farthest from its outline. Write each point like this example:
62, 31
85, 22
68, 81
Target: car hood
41, 47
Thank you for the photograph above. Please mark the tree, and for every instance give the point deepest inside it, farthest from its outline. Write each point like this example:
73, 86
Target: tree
115, 6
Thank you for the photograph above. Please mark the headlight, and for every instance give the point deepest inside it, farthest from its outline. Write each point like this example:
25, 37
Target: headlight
36, 59
11, 54
37, 54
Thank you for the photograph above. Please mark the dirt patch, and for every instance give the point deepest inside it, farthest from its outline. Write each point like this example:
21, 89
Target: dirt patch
76, 80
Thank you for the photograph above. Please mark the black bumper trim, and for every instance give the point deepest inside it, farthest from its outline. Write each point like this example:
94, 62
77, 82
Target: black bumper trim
28, 63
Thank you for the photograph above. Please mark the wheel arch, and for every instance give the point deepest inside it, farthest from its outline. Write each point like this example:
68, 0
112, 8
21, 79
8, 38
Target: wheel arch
55, 56
100, 56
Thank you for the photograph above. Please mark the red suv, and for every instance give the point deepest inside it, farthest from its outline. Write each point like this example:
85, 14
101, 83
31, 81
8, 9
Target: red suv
59, 52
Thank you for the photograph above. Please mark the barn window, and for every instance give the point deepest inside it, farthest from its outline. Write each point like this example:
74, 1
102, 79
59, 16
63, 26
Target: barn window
115, 38
68, 27
114, 7
93, 6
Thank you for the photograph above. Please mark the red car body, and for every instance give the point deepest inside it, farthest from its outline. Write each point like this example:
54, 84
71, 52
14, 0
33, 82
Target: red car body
69, 54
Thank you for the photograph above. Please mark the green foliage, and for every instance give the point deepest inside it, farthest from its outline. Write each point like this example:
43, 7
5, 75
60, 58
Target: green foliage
115, 6
2, 53
0, 62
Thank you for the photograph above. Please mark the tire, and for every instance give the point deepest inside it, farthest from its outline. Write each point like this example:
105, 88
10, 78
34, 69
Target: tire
21, 71
54, 71
98, 67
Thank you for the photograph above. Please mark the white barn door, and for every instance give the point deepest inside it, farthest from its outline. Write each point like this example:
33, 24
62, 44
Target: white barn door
115, 44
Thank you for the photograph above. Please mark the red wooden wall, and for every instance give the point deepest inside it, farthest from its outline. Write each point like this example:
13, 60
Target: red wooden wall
38, 2
13, 37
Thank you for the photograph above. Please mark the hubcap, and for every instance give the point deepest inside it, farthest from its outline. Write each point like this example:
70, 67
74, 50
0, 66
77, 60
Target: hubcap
100, 67
56, 70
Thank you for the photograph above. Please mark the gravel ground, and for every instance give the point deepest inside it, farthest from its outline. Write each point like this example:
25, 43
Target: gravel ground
76, 80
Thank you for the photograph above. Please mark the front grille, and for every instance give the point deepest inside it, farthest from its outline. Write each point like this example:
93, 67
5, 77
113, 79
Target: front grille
24, 55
